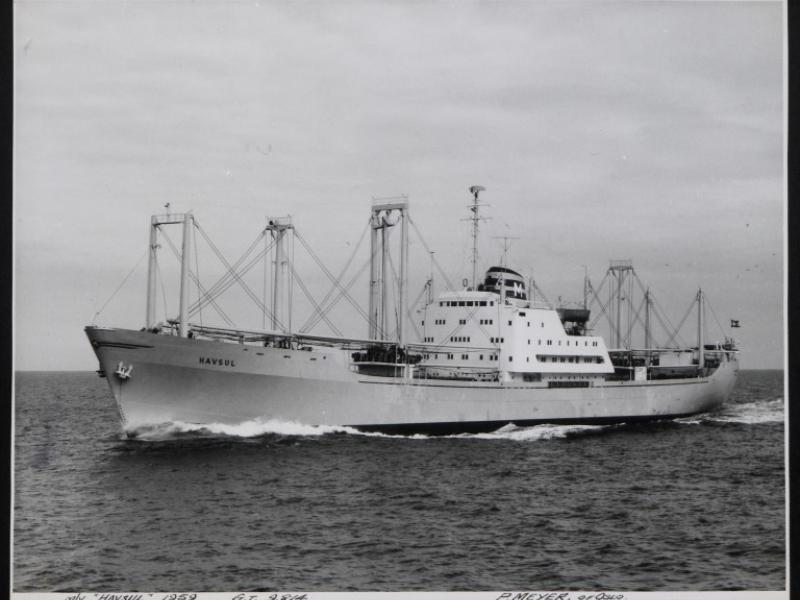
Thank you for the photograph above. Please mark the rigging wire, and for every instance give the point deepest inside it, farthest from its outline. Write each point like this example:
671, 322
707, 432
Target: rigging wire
658, 311
237, 277
119, 287
194, 278
683, 320
396, 292
311, 298
332, 303
450, 286
330, 276
633, 321
230, 277
668, 326
306, 326
722, 330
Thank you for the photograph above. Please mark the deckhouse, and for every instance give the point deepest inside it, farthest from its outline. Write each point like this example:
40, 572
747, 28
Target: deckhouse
495, 331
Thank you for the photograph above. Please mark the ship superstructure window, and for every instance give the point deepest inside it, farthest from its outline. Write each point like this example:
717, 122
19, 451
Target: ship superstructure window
465, 357
566, 358
510, 359
487, 321
462, 321
521, 314
509, 322
549, 342
439, 322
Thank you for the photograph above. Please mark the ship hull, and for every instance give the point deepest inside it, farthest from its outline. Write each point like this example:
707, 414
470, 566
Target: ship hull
158, 379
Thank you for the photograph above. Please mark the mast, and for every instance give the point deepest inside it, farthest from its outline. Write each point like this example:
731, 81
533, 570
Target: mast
183, 327
373, 277
647, 319
429, 299
278, 226
475, 218
384, 269
152, 266
700, 341
585, 286
382, 209
276, 284
403, 275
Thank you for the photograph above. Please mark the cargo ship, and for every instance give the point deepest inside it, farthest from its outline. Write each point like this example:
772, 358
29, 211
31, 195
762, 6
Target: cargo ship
483, 356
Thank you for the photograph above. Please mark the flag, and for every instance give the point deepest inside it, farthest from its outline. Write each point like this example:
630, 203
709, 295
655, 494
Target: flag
735, 323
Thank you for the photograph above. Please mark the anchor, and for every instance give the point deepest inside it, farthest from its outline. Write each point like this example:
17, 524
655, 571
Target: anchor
122, 371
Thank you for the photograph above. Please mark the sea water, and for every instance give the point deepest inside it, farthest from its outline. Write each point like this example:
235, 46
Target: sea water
687, 504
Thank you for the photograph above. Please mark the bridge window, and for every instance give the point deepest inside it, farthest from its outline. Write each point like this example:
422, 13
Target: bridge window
462, 321
510, 359
509, 322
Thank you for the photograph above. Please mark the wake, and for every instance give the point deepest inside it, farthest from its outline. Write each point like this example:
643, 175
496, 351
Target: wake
176, 430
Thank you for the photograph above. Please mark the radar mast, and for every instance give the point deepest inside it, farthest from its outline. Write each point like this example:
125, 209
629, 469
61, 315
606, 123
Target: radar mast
475, 190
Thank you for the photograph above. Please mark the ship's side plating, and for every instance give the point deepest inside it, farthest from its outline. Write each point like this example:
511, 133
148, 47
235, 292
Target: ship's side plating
160, 378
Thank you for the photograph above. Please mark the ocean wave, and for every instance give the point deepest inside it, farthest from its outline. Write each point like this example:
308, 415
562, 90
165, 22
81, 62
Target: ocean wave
246, 429
174, 430
745, 413
532, 433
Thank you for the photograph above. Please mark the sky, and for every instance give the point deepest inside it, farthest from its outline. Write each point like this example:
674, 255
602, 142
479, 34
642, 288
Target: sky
646, 131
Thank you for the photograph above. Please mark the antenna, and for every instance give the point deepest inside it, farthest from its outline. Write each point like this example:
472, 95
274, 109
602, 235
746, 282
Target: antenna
506, 246
475, 190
